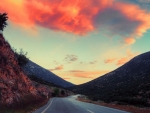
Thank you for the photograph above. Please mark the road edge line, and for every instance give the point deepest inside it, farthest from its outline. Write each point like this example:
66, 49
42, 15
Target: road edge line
90, 111
47, 106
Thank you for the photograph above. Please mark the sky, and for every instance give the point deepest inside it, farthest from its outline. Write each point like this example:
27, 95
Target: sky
78, 40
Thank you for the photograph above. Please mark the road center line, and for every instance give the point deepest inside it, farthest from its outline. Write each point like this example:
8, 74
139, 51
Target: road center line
48, 106
90, 111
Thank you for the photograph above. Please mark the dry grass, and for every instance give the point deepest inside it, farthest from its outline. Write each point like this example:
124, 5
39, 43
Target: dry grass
128, 108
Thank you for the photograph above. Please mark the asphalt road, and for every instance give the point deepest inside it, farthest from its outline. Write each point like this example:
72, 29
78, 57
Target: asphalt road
70, 105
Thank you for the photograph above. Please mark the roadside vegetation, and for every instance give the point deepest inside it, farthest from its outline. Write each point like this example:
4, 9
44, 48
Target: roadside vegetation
21, 56
41, 81
116, 105
28, 104
127, 85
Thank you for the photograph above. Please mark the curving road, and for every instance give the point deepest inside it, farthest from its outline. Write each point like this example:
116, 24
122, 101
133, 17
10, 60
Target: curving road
70, 105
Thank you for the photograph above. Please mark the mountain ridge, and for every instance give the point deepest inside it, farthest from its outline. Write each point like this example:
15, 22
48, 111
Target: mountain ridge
128, 83
32, 68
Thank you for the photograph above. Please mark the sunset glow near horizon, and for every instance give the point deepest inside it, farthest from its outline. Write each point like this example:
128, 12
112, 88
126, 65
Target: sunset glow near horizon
78, 40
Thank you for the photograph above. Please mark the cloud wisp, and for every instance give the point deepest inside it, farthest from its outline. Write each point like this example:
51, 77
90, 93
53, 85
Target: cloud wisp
92, 63
57, 68
122, 60
125, 59
70, 58
87, 74
110, 60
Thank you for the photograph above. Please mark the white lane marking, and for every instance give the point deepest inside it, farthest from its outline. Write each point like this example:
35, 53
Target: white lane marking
47, 106
90, 111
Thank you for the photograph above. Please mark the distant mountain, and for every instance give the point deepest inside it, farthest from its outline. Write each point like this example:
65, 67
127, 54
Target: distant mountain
129, 83
32, 68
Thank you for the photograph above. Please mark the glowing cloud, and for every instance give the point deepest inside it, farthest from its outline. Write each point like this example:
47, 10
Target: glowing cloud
110, 60
16, 12
80, 17
122, 60
87, 74
57, 68
66, 78
125, 59
129, 40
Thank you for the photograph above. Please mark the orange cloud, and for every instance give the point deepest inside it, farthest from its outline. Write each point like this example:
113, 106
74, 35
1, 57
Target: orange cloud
87, 74
121, 60
110, 60
129, 40
135, 13
76, 71
57, 68
16, 12
80, 16
129, 56
66, 78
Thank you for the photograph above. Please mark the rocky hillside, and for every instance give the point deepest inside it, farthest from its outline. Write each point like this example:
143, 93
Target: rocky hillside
129, 84
14, 83
32, 69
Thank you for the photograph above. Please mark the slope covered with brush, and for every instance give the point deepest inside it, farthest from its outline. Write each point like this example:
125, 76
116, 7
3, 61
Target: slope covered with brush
128, 84
32, 69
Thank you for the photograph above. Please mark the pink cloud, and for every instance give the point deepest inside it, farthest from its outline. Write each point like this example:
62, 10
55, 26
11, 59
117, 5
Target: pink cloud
87, 74
125, 59
122, 60
129, 40
57, 68
66, 78
80, 17
110, 60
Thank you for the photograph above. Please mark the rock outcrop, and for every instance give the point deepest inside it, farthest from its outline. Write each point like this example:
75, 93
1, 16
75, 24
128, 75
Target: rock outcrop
14, 84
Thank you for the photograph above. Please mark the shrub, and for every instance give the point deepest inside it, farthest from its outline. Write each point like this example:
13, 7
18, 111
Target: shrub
21, 57
56, 91
35, 78
62, 92
26, 104
140, 102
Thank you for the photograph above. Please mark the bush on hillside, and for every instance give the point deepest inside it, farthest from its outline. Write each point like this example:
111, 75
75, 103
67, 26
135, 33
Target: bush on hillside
56, 91
21, 57
62, 92
140, 102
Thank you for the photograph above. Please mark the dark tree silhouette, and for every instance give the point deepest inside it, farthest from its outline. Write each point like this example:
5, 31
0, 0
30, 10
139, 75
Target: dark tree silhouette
3, 19
62, 92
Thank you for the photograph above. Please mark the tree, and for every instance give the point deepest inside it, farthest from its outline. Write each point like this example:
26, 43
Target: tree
62, 92
3, 19
21, 57
56, 91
